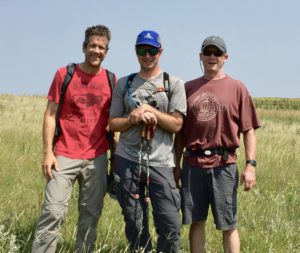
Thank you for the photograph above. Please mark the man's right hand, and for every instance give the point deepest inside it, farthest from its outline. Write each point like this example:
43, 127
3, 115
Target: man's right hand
50, 163
177, 176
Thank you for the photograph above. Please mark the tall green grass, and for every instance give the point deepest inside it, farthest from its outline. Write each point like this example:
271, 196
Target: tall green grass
277, 103
269, 215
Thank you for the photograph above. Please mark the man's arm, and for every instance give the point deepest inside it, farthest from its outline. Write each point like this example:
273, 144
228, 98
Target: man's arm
171, 122
148, 115
120, 124
248, 176
178, 147
50, 161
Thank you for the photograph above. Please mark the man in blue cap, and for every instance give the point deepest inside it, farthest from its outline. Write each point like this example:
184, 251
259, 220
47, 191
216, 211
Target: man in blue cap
148, 107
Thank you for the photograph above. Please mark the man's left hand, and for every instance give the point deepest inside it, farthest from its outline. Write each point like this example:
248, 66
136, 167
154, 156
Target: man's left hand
248, 177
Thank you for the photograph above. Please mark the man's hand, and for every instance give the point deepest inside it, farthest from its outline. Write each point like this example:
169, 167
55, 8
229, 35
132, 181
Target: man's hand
177, 175
50, 163
248, 177
143, 114
149, 118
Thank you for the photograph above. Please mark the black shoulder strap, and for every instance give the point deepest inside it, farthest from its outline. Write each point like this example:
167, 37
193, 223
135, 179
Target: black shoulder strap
111, 80
166, 81
167, 84
129, 81
110, 135
70, 72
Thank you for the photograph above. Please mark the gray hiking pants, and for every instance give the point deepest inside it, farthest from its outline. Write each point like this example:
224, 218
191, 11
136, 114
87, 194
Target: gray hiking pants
91, 175
165, 201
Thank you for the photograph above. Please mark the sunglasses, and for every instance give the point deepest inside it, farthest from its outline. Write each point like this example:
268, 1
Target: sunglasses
209, 52
141, 51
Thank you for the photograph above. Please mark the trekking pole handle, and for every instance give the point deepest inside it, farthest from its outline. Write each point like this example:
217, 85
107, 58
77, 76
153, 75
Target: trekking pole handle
143, 131
149, 132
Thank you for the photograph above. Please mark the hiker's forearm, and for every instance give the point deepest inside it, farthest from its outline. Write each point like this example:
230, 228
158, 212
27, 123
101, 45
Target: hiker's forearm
170, 122
119, 124
178, 147
49, 126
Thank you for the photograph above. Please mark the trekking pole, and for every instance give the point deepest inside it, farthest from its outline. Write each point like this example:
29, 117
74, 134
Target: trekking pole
139, 166
149, 134
136, 195
148, 137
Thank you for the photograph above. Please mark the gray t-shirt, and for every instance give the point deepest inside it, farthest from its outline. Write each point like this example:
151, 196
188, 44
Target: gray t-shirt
141, 91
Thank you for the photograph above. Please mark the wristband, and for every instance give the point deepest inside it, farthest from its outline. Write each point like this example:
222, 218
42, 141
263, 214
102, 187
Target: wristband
251, 162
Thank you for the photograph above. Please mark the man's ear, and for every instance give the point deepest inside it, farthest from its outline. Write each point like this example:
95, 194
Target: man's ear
200, 56
225, 57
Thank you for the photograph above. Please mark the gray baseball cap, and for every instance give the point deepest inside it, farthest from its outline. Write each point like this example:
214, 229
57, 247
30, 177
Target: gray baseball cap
214, 41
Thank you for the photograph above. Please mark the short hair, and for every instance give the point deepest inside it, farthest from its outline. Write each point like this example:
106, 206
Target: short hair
98, 30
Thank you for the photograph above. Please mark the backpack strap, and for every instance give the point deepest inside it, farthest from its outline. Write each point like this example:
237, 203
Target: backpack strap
70, 72
110, 135
111, 80
166, 81
129, 81
167, 84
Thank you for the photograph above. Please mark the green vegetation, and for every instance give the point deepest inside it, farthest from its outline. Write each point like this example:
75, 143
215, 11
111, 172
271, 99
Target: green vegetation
269, 215
278, 103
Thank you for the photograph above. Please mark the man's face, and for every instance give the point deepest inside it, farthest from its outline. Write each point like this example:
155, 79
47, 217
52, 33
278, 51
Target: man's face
95, 51
148, 56
213, 59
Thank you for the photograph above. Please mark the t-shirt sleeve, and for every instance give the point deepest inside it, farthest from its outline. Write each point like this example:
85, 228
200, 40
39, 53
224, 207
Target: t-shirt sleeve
178, 98
117, 108
54, 91
248, 115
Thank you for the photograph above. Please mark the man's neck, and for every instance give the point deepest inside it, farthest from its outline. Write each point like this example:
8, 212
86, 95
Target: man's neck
215, 76
90, 69
149, 74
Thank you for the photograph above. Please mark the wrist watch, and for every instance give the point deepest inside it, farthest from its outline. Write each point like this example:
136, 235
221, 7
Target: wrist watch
251, 162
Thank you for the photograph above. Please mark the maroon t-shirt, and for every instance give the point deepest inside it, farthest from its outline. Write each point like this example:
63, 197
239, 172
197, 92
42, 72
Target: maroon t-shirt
217, 112
84, 114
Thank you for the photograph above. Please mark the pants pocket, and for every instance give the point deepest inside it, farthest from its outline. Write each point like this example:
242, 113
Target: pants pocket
175, 195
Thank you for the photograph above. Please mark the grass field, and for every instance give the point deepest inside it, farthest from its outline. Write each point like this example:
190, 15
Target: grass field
269, 215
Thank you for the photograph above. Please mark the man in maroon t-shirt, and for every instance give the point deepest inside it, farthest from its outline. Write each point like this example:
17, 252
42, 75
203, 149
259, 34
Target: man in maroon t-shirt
219, 109
80, 150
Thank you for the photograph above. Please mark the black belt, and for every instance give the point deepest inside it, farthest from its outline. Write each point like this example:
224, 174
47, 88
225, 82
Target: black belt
209, 152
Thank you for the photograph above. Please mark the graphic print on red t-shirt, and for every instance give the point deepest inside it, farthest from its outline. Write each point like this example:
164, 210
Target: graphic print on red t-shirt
206, 106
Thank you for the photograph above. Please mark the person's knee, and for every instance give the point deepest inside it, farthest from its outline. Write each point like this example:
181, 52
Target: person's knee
168, 227
198, 224
229, 232
53, 213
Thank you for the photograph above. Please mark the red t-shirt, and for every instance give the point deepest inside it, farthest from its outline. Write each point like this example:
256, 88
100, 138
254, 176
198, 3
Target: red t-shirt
217, 112
84, 114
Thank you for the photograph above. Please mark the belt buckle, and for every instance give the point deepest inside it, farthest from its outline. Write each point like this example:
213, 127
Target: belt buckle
207, 152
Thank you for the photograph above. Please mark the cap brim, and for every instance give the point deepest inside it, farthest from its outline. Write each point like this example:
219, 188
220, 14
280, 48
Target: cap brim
150, 43
212, 44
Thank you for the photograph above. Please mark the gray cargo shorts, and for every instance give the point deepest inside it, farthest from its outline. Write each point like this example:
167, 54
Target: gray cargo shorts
215, 187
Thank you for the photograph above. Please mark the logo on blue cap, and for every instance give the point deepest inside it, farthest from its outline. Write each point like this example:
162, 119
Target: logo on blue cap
148, 38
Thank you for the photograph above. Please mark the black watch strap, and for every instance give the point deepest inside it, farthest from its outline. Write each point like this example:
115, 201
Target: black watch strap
252, 162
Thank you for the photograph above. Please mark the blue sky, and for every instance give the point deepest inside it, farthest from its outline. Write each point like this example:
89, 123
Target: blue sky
262, 36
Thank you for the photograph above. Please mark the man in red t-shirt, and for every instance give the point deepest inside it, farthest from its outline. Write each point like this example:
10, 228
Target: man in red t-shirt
219, 109
80, 150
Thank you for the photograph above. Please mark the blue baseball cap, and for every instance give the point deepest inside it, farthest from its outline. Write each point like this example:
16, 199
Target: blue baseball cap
148, 38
